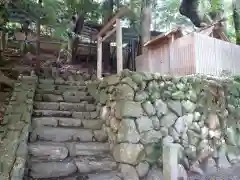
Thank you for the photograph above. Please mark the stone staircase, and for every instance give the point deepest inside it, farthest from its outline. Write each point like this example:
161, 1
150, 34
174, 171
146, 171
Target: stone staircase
66, 142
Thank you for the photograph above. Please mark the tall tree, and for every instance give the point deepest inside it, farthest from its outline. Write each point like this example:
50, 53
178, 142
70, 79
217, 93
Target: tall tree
145, 23
236, 19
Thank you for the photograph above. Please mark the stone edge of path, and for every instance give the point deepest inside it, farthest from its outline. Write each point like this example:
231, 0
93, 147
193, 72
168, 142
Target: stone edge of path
15, 129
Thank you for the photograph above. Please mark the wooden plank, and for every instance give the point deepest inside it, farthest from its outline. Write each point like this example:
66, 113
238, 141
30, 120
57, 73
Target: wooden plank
99, 58
119, 46
119, 14
109, 33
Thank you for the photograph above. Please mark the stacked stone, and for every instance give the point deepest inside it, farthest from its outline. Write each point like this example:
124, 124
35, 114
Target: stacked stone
233, 123
143, 112
67, 140
15, 128
68, 73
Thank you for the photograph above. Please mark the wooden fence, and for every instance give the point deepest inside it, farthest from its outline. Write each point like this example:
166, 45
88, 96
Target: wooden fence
191, 54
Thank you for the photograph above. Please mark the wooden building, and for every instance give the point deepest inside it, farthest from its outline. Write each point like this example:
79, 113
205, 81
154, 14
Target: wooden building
207, 51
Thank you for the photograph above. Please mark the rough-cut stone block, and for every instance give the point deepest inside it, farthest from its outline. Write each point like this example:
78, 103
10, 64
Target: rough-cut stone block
128, 109
144, 124
90, 107
52, 113
74, 96
168, 120
48, 150
18, 168
46, 105
92, 124
151, 137
46, 81
87, 149
64, 106
91, 164
48, 87
94, 114
128, 172
44, 121
52, 169
155, 174
63, 134
100, 135
128, 153
142, 169
81, 115
128, 132
104, 113
38, 97
52, 98
64, 88
104, 176
70, 83
69, 122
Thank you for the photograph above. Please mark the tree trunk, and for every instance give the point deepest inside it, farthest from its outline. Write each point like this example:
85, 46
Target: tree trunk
190, 9
77, 31
146, 24
236, 19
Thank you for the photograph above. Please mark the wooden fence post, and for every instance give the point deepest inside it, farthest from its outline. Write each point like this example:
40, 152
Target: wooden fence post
99, 57
119, 46
170, 161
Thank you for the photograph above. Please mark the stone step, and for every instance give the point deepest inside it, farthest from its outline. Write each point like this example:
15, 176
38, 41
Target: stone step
60, 134
67, 122
69, 96
58, 113
61, 151
60, 88
89, 164
61, 82
42, 170
80, 165
111, 175
65, 106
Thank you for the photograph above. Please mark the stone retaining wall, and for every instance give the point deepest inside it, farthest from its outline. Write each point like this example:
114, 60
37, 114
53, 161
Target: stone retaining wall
143, 112
15, 128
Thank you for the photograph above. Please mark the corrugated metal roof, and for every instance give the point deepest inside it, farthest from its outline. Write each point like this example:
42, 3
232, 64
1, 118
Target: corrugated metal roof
210, 30
161, 37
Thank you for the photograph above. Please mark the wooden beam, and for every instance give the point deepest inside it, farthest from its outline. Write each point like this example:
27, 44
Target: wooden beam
109, 33
99, 58
119, 14
119, 46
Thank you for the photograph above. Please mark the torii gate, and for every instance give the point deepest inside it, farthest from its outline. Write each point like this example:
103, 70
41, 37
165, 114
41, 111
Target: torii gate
106, 32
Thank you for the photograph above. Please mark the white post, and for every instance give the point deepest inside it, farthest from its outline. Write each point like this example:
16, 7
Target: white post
119, 46
99, 58
170, 161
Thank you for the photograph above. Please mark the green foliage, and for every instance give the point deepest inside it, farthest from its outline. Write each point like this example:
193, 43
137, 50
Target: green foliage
57, 13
